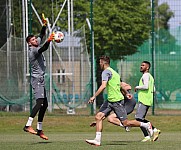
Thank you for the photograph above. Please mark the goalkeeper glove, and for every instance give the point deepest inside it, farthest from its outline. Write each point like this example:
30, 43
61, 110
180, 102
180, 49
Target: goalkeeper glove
51, 37
44, 20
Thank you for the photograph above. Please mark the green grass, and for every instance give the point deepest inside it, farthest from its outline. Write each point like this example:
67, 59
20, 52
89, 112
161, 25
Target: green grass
70, 132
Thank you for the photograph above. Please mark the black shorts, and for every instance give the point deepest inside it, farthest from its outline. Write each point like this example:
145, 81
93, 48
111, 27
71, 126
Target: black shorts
117, 107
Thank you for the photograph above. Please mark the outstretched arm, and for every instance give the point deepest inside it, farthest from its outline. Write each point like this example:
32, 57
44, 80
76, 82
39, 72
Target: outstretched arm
46, 45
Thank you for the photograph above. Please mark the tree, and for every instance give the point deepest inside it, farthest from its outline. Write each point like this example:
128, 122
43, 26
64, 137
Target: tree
163, 38
120, 26
163, 15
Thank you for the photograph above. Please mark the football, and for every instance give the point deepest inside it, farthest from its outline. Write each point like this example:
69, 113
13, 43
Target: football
59, 36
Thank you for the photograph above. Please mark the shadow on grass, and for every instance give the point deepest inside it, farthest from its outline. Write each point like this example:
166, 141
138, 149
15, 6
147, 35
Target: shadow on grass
43, 142
120, 142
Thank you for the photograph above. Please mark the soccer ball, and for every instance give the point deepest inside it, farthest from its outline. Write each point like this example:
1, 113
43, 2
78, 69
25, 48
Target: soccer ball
59, 36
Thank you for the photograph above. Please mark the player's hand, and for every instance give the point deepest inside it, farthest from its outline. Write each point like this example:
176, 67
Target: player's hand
129, 96
93, 124
51, 37
44, 20
91, 100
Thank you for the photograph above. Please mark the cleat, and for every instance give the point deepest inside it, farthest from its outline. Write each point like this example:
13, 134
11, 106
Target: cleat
127, 129
93, 142
149, 129
156, 134
146, 139
29, 129
41, 134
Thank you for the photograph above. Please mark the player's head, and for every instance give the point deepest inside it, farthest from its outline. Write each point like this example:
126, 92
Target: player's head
104, 61
32, 40
145, 66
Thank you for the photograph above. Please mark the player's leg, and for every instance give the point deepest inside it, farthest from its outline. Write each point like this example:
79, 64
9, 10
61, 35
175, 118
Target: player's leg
38, 90
129, 105
100, 116
156, 132
93, 123
35, 110
140, 116
112, 118
97, 141
42, 111
102, 108
121, 114
40, 119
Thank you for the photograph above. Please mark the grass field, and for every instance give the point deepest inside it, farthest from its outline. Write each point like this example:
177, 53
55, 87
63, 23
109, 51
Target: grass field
70, 132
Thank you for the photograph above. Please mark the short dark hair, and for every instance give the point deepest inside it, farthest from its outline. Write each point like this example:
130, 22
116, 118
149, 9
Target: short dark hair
105, 58
29, 37
147, 62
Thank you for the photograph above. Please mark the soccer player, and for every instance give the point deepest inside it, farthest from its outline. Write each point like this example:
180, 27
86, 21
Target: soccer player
129, 105
111, 81
145, 99
38, 66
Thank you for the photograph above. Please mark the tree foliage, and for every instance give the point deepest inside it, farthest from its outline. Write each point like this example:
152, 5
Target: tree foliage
163, 15
164, 41
120, 26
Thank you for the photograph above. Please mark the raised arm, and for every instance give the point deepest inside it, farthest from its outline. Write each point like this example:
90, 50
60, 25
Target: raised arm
43, 29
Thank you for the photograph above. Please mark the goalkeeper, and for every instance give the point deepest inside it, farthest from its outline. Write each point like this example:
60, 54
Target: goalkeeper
38, 66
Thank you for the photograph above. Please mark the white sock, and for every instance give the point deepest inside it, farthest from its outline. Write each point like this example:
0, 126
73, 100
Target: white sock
148, 137
121, 125
29, 122
98, 136
145, 125
39, 125
155, 130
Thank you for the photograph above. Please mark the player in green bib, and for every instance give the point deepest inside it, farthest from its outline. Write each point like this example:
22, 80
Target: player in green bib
145, 99
111, 81
129, 105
